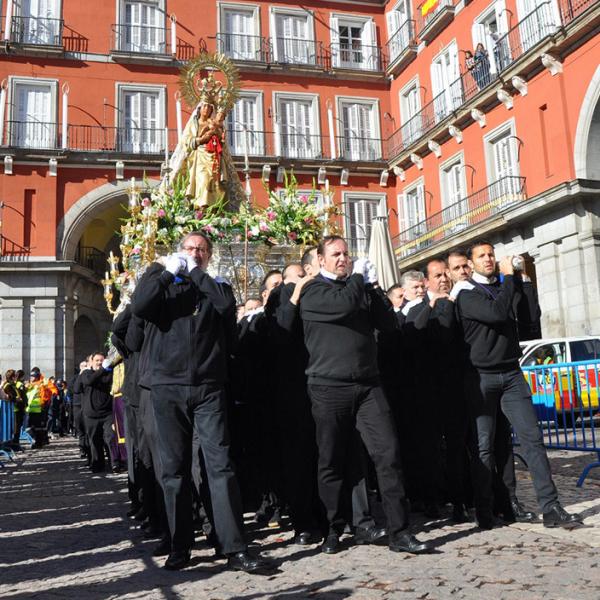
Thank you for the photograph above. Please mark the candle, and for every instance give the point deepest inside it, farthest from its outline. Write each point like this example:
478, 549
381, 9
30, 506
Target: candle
65, 116
327, 185
133, 183
106, 275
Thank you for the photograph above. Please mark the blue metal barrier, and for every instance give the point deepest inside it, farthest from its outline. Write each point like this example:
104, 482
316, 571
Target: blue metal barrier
6, 430
565, 397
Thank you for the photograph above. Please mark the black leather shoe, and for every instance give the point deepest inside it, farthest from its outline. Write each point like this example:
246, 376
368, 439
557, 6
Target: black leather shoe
178, 560
244, 561
331, 544
521, 515
372, 535
406, 542
485, 520
460, 514
307, 538
163, 549
557, 516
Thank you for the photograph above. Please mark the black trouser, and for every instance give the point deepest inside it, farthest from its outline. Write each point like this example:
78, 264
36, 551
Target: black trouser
180, 409
19, 418
150, 469
100, 433
36, 425
79, 426
338, 411
509, 391
133, 470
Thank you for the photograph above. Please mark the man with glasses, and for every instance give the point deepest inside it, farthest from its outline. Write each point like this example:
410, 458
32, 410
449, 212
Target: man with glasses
189, 317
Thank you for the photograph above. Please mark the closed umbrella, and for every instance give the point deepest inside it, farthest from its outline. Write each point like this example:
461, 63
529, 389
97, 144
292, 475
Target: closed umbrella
381, 252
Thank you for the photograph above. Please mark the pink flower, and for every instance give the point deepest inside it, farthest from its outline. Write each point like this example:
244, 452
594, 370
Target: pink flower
199, 214
136, 250
161, 212
303, 199
146, 202
307, 219
293, 235
221, 235
271, 215
208, 228
263, 226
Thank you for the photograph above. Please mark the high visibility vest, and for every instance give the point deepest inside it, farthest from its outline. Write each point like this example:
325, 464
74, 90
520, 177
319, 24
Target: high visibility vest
36, 394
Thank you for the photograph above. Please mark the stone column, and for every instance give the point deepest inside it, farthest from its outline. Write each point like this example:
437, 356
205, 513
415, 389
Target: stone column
12, 334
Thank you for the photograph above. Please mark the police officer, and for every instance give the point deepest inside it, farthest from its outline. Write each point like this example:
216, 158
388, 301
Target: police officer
188, 315
38, 396
338, 310
487, 309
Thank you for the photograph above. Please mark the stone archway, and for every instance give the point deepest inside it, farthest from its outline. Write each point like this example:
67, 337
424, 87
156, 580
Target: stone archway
587, 136
84, 211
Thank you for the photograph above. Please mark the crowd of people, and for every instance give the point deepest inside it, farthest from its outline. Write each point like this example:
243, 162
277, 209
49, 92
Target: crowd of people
325, 399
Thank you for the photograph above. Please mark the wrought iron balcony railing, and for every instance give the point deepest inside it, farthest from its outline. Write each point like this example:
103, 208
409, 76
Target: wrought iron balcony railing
401, 41
139, 39
36, 31
296, 51
357, 56
435, 20
468, 212
94, 138
244, 47
91, 258
31, 134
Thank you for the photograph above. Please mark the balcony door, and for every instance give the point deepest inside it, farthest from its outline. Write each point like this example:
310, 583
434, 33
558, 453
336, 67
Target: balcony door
239, 40
35, 125
537, 19
445, 82
142, 131
297, 129
244, 127
504, 163
293, 41
143, 29
410, 106
359, 218
359, 140
489, 30
398, 31
354, 44
454, 198
39, 22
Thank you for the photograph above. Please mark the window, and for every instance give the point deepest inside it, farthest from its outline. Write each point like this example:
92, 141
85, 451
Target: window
410, 105
399, 33
503, 166
142, 28
360, 212
297, 130
33, 121
455, 205
354, 43
411, 211
141, 128
245, 125
547, 354
585, 350
488, 30
360, 130
292, 37
445, 82
537, 19
38, 23
239, 36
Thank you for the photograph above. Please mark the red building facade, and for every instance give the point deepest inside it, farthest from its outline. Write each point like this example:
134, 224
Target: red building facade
381, 99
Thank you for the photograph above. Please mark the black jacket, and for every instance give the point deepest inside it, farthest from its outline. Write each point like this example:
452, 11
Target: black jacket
339, 319
97, 401
128, 346
188, 318
488, 315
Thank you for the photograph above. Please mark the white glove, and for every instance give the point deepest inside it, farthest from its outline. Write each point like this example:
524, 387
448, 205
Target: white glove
360, 266
371, 273
106, 363
175, 263
191, 263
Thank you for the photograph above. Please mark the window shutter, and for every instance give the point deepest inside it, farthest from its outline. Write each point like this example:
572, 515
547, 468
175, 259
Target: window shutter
501, 18
369, 41
402, 220
420, 203
277, 35
393, 22
334, 28
479, 36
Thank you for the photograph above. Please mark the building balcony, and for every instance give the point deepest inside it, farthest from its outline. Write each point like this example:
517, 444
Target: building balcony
91, 258
139, 42
37, 33
401, 48
436, 19
571, 9
34, 135
356, 57
461, 216
245, 48
296, 51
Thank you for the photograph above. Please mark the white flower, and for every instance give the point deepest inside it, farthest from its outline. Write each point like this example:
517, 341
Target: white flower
180, 220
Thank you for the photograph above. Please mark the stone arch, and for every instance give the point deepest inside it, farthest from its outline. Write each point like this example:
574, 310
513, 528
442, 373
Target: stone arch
84, 211
85, 338
587, 136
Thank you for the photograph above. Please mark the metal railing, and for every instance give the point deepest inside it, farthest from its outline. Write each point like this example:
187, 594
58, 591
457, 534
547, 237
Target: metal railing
31, 134
91, 258
401, 40
571, 9
526, 34
296, 51
139, 39
356, 56
244, 47
93, 138
432, 16
300, 145
461, 215
352, 147
36, 31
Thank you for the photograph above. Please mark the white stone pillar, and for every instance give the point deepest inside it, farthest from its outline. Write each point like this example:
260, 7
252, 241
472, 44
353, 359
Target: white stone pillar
12, 339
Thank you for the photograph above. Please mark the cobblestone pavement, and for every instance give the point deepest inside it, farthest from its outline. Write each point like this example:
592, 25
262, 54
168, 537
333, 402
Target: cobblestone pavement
63, 534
